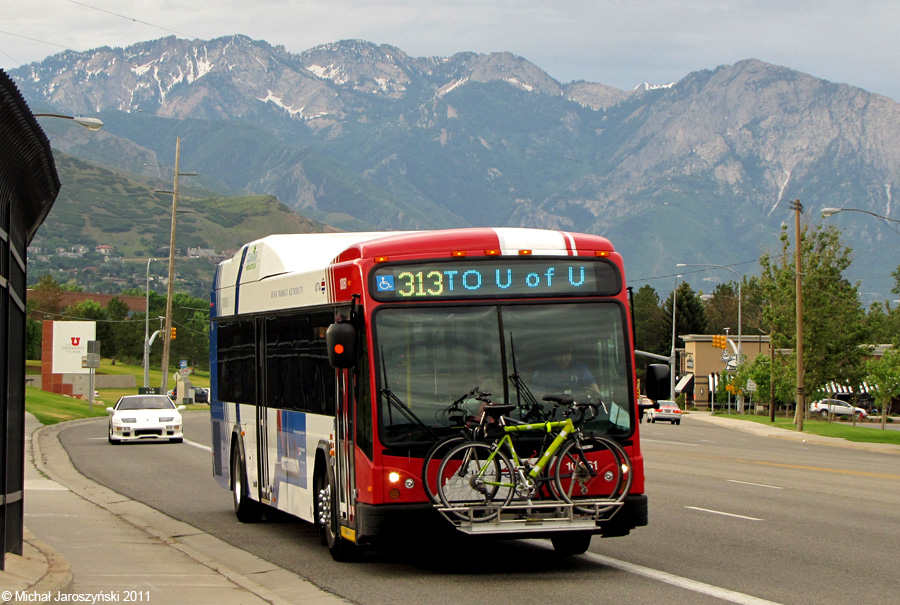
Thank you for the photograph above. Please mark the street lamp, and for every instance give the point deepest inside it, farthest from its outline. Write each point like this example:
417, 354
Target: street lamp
740, 279
89, 123
147, 329
826, 212
672, 356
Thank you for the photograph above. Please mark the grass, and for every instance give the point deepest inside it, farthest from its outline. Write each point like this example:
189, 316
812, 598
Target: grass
815, 426
50, 408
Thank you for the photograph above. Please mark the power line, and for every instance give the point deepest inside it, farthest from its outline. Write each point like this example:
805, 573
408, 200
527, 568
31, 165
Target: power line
132, 19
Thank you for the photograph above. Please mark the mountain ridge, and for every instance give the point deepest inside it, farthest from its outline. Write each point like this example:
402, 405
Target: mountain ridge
372, 138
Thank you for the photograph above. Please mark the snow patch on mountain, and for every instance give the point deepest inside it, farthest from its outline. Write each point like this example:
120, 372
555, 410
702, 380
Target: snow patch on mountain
278, 102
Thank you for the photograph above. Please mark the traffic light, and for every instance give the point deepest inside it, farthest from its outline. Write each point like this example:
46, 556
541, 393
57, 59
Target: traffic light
720, 341
172, 335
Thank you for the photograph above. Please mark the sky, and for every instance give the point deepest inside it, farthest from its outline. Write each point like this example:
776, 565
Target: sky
620, 43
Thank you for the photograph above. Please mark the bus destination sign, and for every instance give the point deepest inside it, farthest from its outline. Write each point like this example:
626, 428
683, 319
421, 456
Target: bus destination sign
515, 278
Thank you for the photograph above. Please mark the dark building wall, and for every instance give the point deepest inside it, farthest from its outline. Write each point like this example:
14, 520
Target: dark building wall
29, 185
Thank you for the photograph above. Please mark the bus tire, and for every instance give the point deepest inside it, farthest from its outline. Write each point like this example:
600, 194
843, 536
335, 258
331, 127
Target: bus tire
245, 509
341, 550
322, 504
571, 542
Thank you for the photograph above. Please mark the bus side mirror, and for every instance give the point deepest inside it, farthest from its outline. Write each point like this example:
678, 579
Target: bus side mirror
658, 381
341, 341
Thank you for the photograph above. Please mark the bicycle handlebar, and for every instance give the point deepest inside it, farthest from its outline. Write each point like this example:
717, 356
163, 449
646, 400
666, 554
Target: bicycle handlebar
569, 401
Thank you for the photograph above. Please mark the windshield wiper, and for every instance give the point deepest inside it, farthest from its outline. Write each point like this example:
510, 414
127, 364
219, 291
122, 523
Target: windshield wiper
394, 401
525, 399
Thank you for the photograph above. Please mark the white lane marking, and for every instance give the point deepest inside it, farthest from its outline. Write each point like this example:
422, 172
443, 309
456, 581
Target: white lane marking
693, 585
198, 445
718, 512
670, 442
754, 484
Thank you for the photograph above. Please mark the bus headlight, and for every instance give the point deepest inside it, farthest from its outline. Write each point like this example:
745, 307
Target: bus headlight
393, 476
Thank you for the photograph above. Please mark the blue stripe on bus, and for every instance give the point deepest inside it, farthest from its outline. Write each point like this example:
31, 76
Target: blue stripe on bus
237, 281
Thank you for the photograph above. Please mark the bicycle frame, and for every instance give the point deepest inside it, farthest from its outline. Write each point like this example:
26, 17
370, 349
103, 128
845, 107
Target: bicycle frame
567, 426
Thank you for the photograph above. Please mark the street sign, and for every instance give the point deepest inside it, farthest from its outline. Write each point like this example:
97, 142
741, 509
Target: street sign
92, 359
751, 386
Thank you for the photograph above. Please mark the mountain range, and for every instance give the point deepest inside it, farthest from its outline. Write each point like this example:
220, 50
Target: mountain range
362, 136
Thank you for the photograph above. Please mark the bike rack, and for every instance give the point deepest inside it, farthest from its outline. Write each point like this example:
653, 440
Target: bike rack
519, 517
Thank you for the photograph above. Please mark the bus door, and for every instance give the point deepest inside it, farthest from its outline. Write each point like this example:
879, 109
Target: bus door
344, 448
265, 433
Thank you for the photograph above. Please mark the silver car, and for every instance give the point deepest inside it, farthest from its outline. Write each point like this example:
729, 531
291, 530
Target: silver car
837, 407
668, 411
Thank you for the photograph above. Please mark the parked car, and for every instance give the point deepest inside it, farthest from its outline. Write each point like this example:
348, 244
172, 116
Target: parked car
840, 408
668, 410
201, 395
140, 417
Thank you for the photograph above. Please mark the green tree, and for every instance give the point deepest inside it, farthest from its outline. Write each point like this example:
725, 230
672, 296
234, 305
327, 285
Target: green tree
884, 380
722, 309
690, 315
649, 322
833, 319
763, 373
882, 323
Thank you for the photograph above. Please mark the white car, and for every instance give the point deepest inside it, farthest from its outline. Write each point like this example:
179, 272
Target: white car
838, 407
140, 417
668, 410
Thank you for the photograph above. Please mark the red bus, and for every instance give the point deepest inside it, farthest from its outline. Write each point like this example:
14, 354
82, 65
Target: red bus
427, 317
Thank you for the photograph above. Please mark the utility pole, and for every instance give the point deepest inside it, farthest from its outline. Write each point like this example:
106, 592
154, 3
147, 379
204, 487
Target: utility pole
771, 378
167, 333
800, 412
672, 356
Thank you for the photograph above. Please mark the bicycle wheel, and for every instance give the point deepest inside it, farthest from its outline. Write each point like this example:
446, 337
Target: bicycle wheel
476, 480
431, 462
592, 468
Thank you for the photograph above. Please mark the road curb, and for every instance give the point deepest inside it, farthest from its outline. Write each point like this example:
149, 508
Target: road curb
41, 569
59, 577
748, 426
284, 588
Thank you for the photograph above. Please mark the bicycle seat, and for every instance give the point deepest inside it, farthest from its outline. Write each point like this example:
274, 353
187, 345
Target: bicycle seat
496, 410
559, 399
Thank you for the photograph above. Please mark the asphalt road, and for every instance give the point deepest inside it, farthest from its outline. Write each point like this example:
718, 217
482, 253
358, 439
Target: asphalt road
733, 517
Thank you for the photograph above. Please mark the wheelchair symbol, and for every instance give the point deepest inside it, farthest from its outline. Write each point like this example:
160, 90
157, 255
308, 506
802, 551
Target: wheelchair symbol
386, 283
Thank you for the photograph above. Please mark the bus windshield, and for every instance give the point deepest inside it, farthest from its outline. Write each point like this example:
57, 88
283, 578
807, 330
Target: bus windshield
431, 357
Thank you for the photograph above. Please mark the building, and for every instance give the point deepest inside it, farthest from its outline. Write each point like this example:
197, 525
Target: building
700, 364
29, 185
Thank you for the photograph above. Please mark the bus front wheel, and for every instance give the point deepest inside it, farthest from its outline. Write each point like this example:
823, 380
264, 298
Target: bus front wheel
245, 509
571, 543
329, 522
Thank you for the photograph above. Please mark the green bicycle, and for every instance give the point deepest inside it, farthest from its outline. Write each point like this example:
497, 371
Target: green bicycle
477, 479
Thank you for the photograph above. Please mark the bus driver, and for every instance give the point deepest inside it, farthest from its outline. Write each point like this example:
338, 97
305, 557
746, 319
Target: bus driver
566, 375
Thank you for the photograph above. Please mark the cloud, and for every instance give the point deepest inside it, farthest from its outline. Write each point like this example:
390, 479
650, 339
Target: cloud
616, 42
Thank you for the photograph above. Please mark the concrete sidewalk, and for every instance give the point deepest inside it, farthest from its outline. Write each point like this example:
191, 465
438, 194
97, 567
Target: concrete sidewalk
84, 539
